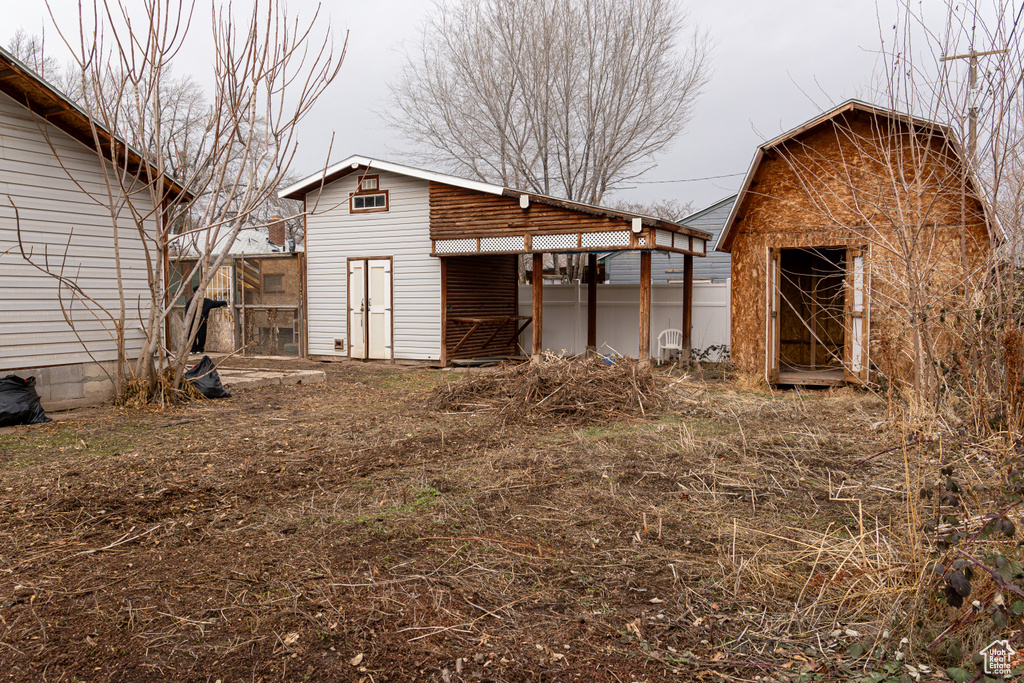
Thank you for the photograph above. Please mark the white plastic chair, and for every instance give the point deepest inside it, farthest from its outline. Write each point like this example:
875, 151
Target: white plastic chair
670, 340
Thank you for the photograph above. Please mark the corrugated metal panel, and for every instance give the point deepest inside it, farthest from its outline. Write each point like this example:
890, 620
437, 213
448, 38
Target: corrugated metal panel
64, 230
624, 267
481, 286
333, 235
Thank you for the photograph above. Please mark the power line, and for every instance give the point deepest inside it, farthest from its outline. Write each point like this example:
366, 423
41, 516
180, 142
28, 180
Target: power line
686, 180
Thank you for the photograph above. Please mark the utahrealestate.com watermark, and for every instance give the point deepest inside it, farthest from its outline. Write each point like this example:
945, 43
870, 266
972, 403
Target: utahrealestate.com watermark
998, 658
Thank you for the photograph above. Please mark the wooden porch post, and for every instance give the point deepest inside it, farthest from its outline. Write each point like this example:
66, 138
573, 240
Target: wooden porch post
645, 308
444, 312
684, 354
592, 303
538, 306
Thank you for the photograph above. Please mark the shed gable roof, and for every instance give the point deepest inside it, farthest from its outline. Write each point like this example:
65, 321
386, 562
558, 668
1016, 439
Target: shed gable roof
724, 242
353, 163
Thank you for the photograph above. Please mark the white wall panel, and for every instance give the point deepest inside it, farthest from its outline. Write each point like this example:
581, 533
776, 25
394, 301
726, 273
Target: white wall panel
334, 235
65, 231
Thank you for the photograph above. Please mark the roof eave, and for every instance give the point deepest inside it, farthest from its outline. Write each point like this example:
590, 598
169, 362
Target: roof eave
18, 81
299, 189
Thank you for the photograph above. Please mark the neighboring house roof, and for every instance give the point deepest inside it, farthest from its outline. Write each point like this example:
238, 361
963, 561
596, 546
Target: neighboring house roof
725, 237
711, 208
624, 266
27, 88
342, 168
253, 241
248, 241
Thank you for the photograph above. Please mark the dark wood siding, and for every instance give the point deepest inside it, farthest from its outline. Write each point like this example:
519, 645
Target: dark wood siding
480, 287
459, 213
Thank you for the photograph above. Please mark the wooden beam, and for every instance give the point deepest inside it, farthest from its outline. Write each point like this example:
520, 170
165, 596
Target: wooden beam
465, 337
814, 320
444, 312
684, 354
592, 302
645, 308
538, 306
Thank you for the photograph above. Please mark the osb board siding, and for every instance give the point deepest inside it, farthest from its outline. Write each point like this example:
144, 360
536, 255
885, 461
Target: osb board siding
856, 182
288, 269
456, 212
480, 286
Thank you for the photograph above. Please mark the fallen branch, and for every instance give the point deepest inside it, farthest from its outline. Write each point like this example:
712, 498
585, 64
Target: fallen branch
120, 541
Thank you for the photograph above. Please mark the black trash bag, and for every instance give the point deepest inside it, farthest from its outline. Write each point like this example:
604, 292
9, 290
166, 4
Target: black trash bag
19, 402
205, 378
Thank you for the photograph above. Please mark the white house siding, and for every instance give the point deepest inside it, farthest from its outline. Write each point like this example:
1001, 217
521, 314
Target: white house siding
65, 231
333, 235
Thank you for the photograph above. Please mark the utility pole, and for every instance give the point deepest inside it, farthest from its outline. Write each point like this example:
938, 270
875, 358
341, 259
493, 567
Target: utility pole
972, 131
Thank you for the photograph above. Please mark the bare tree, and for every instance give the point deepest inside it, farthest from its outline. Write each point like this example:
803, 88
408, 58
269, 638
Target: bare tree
562, 97
31, 50
665, 209
967, 75
231, 154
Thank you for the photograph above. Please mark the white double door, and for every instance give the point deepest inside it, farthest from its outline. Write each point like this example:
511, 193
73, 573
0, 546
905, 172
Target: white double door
369, 308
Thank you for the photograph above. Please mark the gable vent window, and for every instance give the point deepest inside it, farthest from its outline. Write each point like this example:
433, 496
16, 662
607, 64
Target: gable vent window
369, 197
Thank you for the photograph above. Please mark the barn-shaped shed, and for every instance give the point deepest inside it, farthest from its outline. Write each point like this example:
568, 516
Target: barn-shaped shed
405, 263
845, 229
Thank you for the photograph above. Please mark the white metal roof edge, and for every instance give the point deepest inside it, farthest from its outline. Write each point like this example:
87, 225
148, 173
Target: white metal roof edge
606, 211
312, 181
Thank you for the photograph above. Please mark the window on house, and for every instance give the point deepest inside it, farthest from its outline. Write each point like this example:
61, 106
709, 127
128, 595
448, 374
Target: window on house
376, 201
369, 183
273, 283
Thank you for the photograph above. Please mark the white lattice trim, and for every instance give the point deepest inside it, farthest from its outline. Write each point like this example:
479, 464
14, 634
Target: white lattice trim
641, 241
514, 243
698, 246
554, 242
619, 238
455, 246
663, 238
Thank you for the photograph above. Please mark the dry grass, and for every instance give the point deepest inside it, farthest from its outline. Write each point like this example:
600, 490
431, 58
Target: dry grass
290, 529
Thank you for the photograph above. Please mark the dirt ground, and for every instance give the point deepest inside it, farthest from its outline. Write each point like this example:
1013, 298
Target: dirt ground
346, 532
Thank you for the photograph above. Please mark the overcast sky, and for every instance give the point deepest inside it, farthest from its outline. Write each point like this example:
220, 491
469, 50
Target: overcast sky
775, 65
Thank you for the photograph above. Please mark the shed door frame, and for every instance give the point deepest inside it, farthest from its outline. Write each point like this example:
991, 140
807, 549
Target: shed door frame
773, 294
856, 328
856, 345
360, 344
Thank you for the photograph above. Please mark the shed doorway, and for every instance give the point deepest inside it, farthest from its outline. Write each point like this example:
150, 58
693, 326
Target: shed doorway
369, 308
817, 316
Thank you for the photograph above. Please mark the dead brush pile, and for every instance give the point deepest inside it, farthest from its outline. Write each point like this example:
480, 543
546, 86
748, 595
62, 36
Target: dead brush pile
575, 389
